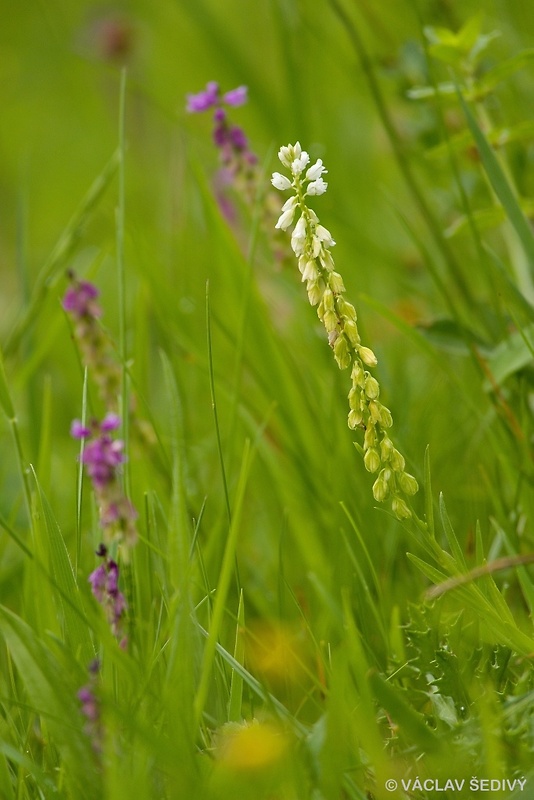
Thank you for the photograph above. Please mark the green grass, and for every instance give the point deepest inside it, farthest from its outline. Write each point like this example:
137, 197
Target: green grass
287, 637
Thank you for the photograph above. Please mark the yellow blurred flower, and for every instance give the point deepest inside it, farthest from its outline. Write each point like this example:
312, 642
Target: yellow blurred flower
250, 747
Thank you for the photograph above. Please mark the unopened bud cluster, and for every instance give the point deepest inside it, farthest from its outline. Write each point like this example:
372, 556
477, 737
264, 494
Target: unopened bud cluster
311, 243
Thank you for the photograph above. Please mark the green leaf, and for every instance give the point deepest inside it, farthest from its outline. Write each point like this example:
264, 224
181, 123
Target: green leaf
411, 723
236, 683
51, 690
510, 356
429, 501
485, 218
451, 536
62, 251
60, 567
5, 396
506, 68
500, 185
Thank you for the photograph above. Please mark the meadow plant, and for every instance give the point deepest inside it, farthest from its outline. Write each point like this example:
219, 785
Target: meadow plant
312, 242
90, 706
81, 303
238, 162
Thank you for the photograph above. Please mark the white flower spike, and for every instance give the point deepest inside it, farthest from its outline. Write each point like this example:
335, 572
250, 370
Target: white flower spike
311, 243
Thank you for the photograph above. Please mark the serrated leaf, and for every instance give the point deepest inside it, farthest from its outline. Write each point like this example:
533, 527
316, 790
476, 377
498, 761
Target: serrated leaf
410, 722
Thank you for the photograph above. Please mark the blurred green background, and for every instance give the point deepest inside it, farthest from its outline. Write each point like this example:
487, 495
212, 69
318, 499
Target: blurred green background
311, 536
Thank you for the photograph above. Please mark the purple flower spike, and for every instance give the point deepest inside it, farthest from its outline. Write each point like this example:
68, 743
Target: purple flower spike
236, 97
197, 103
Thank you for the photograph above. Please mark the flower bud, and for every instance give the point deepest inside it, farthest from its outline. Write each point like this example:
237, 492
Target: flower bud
285, 219
330, 320
370, 438
335, 281
280, 181
371, 460
386, 448
316, 247
380, 490
354, 398
317, 187
324, 236
374, 410
367, 356
315, 171
386, 419
315, 291
287, 154
328, 300
400, 509
299, 163
407, 483
357, 374
355, 418
310, 272
341, 352
351, 330
327, 261
371, 387
347, 310
397, 461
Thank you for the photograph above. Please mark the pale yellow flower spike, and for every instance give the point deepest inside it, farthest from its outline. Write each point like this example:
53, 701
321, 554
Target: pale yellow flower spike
311, 243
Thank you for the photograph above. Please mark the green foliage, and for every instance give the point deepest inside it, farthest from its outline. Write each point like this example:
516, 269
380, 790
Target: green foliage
285, 638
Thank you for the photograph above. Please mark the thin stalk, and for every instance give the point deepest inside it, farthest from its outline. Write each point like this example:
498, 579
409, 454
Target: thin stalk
121, 273
221, 595
214, 406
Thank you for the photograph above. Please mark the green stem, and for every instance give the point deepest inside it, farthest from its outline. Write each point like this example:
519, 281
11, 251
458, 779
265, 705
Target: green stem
121, 273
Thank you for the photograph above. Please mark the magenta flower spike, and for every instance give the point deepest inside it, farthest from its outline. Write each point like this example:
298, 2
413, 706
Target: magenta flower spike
102, 457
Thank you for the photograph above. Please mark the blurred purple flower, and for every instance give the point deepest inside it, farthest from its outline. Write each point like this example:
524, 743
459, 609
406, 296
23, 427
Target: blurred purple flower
236, 97
79, 431
80, 299
196, 103
102, 456
91, 706
210, 97
104, 582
